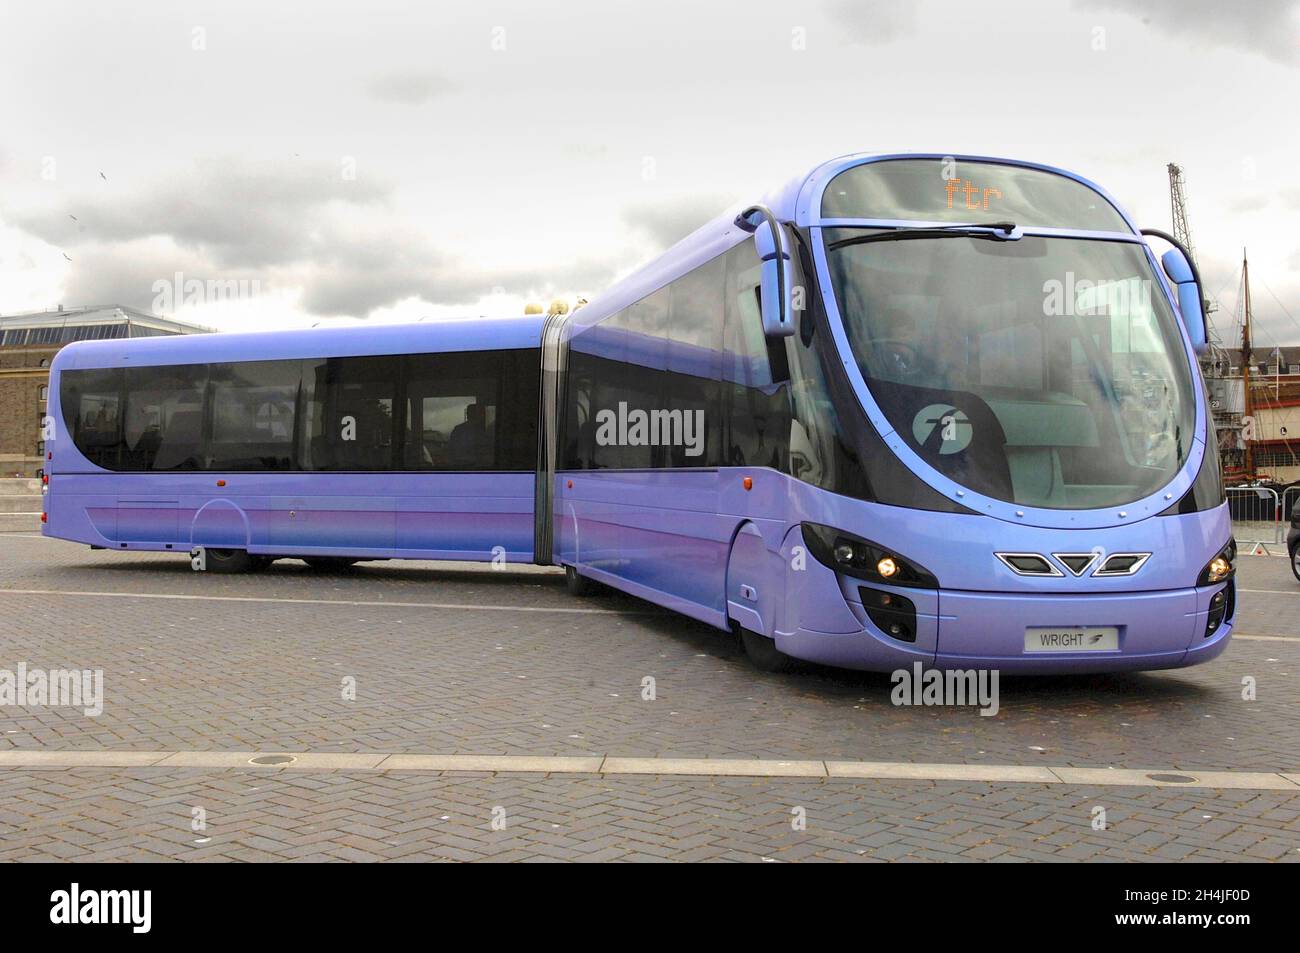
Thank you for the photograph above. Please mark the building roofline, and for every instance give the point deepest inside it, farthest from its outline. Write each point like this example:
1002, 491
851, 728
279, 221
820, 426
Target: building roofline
97, 314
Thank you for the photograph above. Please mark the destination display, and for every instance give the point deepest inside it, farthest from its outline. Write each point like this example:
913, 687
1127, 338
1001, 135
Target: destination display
951, 190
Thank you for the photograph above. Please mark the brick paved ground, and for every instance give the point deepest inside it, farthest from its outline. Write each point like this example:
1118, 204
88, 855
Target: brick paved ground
215, 675
146, 814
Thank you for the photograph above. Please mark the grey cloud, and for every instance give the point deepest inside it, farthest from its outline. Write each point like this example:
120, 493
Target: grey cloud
124, 273
882, 21
235, 212
286, 224
409, 88
354, 268
347, 274
355, 274
1267, 27
668, 221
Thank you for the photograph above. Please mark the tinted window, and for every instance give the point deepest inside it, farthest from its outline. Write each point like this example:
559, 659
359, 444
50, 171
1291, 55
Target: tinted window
351, 417
460, 411
645, 383
1064, 395
757, 406
780, 412
471, 411
163, 422
253, 406
92, 414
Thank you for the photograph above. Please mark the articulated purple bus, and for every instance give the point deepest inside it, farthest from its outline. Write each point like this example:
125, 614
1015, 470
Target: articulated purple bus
908, 408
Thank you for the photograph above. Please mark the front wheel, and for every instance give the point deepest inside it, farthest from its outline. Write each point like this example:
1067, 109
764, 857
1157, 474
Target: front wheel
763, 653
1295, 560
231, 561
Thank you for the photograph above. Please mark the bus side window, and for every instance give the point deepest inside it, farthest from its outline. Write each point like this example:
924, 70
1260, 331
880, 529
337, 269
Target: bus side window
757, 408
163, 424
579, 428
92, 409
451, 424
352, 414
253, 406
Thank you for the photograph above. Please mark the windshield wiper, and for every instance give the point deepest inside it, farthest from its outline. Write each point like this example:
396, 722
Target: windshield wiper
998, 231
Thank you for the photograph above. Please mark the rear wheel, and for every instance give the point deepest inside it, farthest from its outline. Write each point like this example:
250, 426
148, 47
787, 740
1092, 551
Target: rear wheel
329, 563
579, 585
231, 561
763, 653
1295, 560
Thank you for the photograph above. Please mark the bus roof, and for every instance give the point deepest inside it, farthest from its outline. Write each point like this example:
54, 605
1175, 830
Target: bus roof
453, 334
797, 201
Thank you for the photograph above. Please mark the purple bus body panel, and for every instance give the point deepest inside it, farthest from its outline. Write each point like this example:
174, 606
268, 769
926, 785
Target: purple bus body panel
420, 515
658, 544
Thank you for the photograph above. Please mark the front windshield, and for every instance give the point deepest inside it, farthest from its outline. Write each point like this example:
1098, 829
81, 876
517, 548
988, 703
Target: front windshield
1045, 372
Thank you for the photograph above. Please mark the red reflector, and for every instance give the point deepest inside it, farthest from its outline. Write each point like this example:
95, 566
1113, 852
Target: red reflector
45, 517
221, 483
45, 478
50, 455
749, 483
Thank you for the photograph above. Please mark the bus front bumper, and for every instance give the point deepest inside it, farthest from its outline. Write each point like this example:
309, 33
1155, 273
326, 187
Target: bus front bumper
973, 630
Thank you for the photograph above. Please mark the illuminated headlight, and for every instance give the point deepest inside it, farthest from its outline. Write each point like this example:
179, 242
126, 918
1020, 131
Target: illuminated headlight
1221, 567
863, 559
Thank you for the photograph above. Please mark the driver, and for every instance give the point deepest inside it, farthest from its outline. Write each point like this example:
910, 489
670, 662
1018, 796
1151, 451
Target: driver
899, 350
912, 351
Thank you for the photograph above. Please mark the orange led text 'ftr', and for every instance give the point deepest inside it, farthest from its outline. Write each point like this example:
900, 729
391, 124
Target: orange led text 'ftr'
974, 194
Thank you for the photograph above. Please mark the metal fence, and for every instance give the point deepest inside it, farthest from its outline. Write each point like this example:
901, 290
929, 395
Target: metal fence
1256, 514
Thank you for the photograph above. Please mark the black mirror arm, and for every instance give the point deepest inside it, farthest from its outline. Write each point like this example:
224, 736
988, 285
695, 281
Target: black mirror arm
778, 241
1191, 263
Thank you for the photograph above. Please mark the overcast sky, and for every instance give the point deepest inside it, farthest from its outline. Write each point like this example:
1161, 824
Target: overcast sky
390, 161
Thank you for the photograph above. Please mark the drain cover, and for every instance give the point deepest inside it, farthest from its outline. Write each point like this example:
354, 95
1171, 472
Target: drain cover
274, 759
1172, 778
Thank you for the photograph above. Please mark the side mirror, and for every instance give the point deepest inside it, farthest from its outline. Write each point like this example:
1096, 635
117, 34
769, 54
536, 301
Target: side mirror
1187, 283
773, 251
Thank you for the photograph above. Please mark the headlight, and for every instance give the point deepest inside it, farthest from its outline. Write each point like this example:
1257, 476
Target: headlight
1221, 567
863, 559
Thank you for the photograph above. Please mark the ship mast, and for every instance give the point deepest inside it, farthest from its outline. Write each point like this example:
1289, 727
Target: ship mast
1246, 410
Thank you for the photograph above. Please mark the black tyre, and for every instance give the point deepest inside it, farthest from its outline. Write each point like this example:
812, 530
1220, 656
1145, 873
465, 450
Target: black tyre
231, 560
1295, 560
579, 585
763, 653
329, 563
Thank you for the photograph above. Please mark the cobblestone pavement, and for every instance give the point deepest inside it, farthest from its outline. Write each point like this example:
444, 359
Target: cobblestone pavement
468, 665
